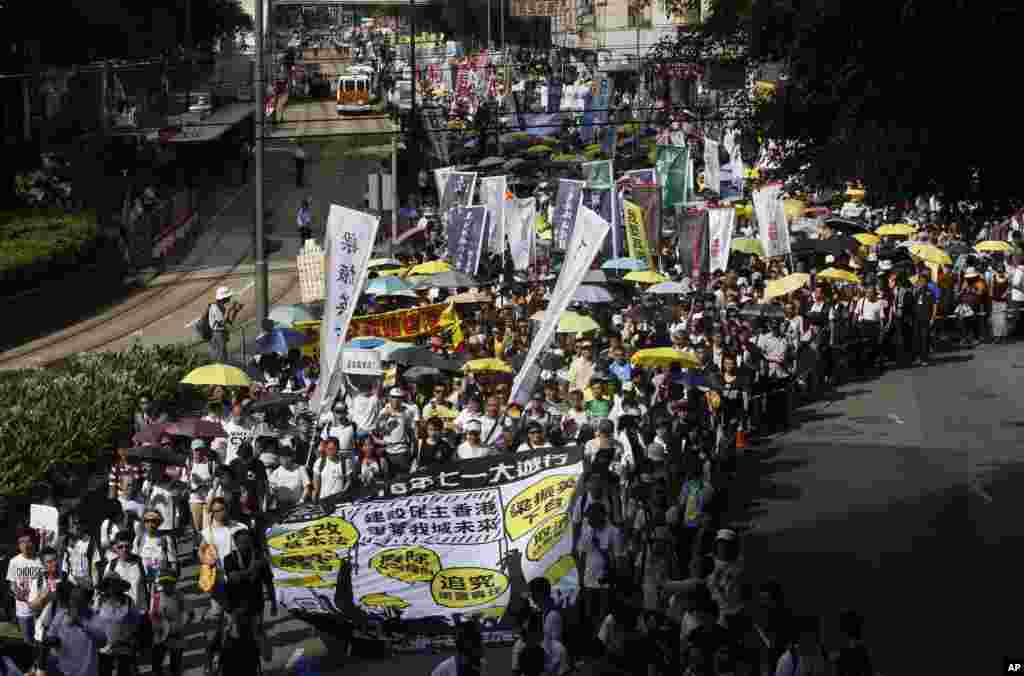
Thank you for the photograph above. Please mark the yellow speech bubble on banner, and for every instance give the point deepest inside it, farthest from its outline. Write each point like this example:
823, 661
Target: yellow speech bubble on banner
467, 587
408, 564
538, 502
309, 561
384, 601
309, 582
331, 533
547, 536
560, 568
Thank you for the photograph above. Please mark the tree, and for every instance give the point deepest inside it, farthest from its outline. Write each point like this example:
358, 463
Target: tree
901, 95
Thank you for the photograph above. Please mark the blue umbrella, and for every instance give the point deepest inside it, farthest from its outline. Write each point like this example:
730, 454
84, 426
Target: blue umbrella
630, 264
366, 343
383, 286
280, 340
591, 294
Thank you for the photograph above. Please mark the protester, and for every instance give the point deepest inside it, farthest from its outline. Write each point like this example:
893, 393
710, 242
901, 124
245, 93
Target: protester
22, 572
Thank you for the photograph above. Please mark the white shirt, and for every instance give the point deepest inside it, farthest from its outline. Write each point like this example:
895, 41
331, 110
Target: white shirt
216, 317
22, 573
289, 485
1017, 284
238, 431
222, 537
868, 311
363, 410
77, 564
609, 539
131, 573
334, 475
200, 479
556, 657
467, 452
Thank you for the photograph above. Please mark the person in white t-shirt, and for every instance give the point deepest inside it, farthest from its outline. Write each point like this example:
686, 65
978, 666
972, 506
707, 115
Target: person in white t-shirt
468, 659
600, 551
239, 430
202, 471
556, 657
332, 473
471, 448
129, 568
22, 572
221, 530
290, 482
154, 548
363, 408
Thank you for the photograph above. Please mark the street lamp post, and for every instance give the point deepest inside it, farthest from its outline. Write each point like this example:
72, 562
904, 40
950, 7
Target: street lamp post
260, 89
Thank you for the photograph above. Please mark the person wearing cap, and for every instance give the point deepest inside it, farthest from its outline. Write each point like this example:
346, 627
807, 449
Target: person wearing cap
154, 548
395, 432
972, 307
537, 411
472, 447
221, 317
201, 472
535, 438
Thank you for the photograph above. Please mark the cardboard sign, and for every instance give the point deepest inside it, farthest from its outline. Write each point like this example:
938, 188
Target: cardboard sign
362, 362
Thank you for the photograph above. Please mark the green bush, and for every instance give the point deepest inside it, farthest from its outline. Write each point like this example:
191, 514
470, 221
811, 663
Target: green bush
42, 243
72, 413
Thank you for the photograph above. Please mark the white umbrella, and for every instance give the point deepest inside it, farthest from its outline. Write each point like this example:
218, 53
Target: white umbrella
670, 288
587, 293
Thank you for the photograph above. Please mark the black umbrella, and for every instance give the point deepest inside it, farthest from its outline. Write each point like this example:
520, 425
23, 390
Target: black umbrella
418, 356
762, 311
157, 454
452, 279
837, 245
847, 225
550, 362
422, 374
276, 401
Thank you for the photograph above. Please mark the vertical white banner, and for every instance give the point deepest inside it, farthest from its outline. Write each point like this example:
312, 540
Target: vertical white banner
521, 232
348, 244
492, 196
712, 171
441, 180
771, 220
720, 226
587, 238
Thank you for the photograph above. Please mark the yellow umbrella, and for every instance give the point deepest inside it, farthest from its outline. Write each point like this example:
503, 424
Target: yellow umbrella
430, 268
793, 208
993, 246
747, 245
218, 374
839, 275
664, 356
487, 366
646, 277
383, 263
746, 210
474, 296
788, 284
867, 239
896, 230
397, 272
931, 254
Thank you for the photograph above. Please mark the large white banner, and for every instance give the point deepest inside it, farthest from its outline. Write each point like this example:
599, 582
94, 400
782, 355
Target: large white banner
521, 230
587, 239
441, 180
456, 539
492, 195
712, 173
348, 244
771, 220
720, 226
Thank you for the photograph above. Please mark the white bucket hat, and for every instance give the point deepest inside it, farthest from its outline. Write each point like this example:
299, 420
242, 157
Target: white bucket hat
971, 272
224, 292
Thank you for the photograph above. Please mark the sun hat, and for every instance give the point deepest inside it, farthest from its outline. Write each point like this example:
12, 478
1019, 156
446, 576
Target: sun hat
971, 272
396, 393
224, 292
473, 426
726, 535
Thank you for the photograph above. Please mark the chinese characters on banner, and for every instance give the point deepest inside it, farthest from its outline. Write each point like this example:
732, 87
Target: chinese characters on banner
567, 204
441, 180
712, 174
492, 195
671, 165
431, 544
645, 193
587, 238
529, 8
521, 231
348, 244
600, 195
720, 226
692, 241
636, 233
771, 220
466, 229
458, 190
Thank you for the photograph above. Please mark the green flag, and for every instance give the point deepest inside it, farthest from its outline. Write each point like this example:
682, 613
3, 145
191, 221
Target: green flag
598, 175
671, 163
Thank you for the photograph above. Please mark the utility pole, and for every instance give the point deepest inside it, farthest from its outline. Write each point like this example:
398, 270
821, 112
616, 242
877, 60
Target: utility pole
260, 89
394, 192
412, 146
188, 53
489, 23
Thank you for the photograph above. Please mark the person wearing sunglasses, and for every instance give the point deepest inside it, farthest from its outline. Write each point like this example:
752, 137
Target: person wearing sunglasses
128, 568
155, 548
221, 529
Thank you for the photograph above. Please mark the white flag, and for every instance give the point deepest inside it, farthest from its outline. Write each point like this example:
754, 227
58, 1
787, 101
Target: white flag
441, 180
522, 214
720, 226
587, 239
492, 195
712, 172
348, 244
771, 220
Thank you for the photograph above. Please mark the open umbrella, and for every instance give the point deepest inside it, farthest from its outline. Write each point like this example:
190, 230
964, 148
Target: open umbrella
646, 277
785, 285
591, 294
277, 401
400, 293
896, 230
866, 238
931, 254
155, 454
595, 277
288, 315
837, 245
365, 343
383, 263
196, 427
415, 355
624, 264
993, 246
383, 286
487, 366
489, 162
422, 374
573, 322
451, 279
847, 225
838, 275
280, 340
218, 374
664, 356
430, 268
669, 288
747, 245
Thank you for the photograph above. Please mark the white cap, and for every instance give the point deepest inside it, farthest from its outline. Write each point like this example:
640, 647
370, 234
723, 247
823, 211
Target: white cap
830, 258
627, 386
473, 426
971, 272
396, 392
224, 292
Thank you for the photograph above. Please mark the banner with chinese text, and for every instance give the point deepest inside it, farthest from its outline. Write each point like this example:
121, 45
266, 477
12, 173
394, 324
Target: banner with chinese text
720, 227
467, 227
458, 190
492, 196
348, 243
771, 220
521, 231
636, 233
567, 203
456, 539
671, 166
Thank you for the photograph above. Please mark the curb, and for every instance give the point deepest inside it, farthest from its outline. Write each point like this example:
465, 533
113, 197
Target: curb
164, 278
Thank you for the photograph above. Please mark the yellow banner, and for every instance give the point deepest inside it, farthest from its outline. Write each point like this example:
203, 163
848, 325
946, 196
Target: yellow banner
397, 325
636, 233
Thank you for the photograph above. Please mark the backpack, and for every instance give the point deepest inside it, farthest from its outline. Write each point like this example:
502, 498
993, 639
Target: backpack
203, 327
